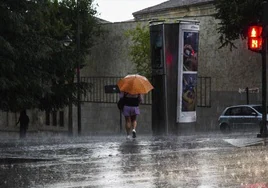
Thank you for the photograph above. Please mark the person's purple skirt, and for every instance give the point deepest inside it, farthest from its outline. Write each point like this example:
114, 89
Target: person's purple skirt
131, 110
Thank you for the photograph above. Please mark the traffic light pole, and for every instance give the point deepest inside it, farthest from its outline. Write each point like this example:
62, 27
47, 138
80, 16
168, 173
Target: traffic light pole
263, 131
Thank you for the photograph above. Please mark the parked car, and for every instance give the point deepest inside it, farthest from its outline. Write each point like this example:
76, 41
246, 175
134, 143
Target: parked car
241, 116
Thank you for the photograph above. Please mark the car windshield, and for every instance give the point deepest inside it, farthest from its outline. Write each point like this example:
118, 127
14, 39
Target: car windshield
259, 108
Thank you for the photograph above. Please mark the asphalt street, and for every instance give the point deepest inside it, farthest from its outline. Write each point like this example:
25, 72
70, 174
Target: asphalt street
199, 160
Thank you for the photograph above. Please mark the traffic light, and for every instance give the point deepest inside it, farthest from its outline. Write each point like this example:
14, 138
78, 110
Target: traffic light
255, 38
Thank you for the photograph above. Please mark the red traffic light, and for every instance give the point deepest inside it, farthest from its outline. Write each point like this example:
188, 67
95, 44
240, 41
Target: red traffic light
255, 38
255, 31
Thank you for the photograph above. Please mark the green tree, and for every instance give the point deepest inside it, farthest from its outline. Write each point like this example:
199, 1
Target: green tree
36, 70
64, 62
140, 49
18, 54
235, 16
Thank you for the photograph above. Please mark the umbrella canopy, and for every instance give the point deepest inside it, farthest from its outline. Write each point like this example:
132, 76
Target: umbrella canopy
134, 84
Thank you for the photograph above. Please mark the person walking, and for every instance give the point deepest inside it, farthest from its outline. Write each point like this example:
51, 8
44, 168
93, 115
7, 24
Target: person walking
131, 111
24, 123
131, 87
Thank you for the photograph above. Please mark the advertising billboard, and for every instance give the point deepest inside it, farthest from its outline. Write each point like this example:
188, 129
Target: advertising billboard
187, 73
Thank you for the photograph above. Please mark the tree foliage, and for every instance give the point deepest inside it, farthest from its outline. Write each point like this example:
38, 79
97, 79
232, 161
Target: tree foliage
235, 16
140, 49
36, 70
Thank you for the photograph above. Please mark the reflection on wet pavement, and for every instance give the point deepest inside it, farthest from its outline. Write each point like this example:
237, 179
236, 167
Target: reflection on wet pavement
205, 160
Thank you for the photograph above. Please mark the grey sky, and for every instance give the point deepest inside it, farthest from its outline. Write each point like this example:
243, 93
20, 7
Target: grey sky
121, 10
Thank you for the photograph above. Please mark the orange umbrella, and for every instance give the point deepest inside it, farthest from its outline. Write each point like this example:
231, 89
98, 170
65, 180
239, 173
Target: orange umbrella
135, 84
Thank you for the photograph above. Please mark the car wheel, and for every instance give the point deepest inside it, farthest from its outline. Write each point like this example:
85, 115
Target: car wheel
224, 127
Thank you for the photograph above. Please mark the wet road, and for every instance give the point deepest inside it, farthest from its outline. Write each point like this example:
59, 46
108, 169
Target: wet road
201, 160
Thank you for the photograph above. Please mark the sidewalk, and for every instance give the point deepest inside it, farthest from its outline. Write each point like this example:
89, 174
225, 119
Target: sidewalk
245, 142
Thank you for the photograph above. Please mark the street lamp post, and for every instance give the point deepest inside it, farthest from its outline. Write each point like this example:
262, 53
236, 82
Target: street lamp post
78, 71
66, 42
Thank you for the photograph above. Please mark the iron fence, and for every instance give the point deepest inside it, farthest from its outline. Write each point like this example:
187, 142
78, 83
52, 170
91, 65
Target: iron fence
98, 94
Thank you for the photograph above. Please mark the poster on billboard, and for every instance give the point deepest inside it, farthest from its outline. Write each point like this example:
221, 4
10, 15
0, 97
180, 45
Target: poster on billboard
190, 51
189, 85
187, 73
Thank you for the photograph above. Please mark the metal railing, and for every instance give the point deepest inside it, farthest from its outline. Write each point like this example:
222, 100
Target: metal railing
97, 92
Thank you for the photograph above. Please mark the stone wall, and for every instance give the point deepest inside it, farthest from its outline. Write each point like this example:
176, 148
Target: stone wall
110, 56
104, 118
229, 69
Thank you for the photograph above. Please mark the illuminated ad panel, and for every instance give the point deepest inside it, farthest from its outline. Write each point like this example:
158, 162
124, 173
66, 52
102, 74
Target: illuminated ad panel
187, 73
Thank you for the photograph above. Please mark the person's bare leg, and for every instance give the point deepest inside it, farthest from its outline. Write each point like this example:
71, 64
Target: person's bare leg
133, 122
128, 125
134, 125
